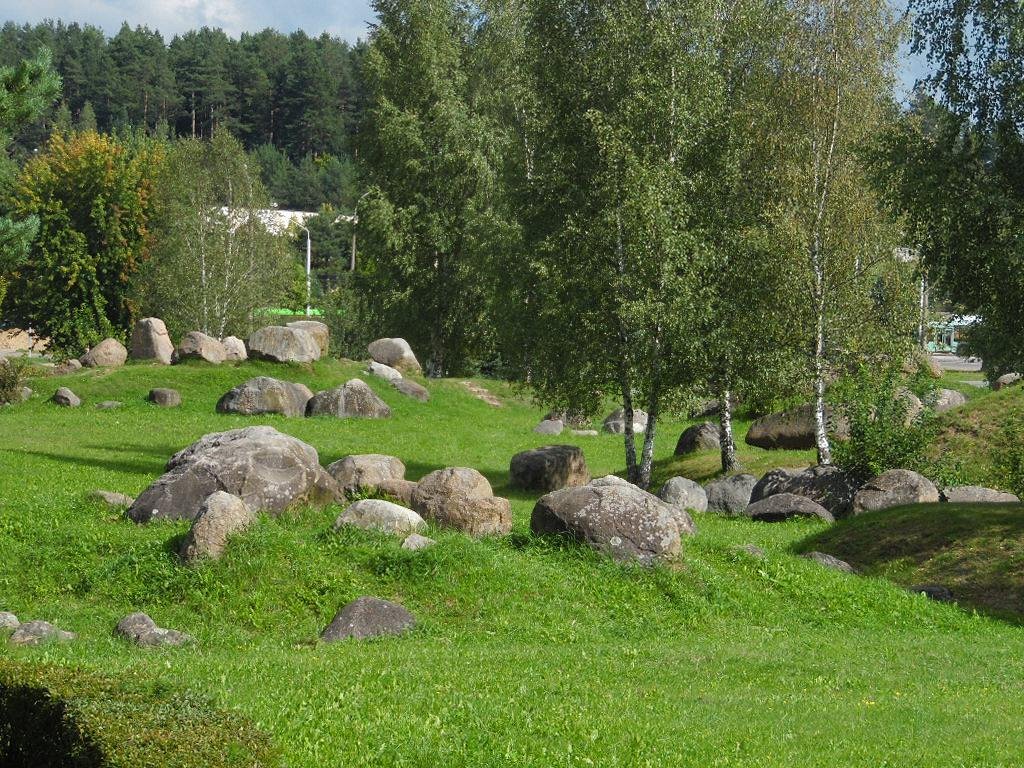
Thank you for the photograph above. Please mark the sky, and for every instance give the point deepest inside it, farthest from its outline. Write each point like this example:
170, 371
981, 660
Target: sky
345, 18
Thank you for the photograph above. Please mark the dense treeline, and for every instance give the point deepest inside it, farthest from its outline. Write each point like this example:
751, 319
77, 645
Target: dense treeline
295, 100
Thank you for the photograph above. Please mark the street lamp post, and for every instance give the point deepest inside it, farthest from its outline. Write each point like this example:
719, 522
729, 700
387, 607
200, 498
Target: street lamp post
309, 271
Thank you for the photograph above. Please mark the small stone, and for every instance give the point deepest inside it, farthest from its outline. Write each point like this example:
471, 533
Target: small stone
165, 397
144, 632
382, 371
8, 621
585, 432
751, 549
382, 516
112, 498
108, 405
416, 542
412, 389
25, 393
368, 617
974, 494
829, 561
66, 398
38, 632
550, 427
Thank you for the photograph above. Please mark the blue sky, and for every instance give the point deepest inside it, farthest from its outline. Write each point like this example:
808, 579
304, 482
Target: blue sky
346, 18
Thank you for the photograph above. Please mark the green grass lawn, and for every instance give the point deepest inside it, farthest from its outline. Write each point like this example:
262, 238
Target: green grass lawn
527, 652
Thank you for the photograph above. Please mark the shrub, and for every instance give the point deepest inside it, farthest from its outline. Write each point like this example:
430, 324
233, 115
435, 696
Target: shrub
882, 437
1008, 456
13, 373
61, 716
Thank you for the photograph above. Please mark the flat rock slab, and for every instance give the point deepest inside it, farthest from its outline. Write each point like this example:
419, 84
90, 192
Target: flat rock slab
281, 344
549, 468
268, 470
165, 397
550, 427
66, 398
382, 516
684, 493
975, 494
784, 506
382, 371
828, 561
265, 394
368, 617
614, 517
109, 405
138, 628
893, 489
730, 495
353, 399
39, 632
220, 516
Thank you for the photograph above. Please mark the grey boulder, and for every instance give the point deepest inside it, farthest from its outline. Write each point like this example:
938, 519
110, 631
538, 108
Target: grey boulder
265, 394
150, 341
730, 495
414, 542
615, 422
319, 331
828, 485
412, 389
368, 617
8, 621
165, 397
109, 353
783, 506
382, 371
382, 516
141, 630
829, 561
1006, 380
792, 429
66, 398
38, 632
550, 427
948, 399
699, 437
462, 498
221, 515
234, 349
684, 493
364, 473
353, 399
894, 488
281, 344
548, 468
614, 517
974, 494
196, 345
268, 470
112, 498
396, 353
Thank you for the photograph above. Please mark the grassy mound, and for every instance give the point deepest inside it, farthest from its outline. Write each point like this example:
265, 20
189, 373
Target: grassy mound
976, 550
527, 652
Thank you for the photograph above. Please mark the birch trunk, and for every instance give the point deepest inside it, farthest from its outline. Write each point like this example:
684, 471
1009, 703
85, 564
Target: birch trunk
820, 419
725, 436
632, 470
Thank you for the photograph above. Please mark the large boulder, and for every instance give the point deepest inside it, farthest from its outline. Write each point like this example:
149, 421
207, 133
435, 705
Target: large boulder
793, 429
353, 399
615, 422
614, 517
196, 345
266, 395
150, 341
319, 331
461, 498
974, 494
699, 437
220, 516
234, 349
412, 389
684, 493
109, 353
894, 488
783, 506
831, 487
65, 397
730, 495
396, 353
368, 617
382, 516
141, 630
948, 399
268, 470
548, 468
281, 344
1006, 380
364, 473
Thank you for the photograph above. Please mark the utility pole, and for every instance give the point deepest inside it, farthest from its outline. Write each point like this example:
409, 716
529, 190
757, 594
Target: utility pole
309, 270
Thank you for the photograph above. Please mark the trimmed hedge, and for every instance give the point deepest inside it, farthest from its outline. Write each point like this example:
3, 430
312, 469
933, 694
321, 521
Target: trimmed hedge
54, 716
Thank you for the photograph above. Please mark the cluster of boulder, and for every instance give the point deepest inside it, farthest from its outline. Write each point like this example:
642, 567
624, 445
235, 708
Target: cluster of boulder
264, 394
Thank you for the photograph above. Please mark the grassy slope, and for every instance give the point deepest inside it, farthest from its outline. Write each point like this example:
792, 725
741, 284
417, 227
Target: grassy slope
527, 652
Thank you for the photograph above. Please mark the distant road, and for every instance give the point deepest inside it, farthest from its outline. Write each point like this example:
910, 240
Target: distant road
954, 363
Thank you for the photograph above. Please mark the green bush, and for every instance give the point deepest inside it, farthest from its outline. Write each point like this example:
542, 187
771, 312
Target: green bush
1008, 458
54, 716
13, 373
882, 435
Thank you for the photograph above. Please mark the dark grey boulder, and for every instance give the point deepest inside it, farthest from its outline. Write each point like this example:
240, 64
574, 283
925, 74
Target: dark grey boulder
793, 429
699, 437
165, 397
783, 506
684, 493
730, 495
974, 494
265, 394
353, 399
548, 468
895, 488
936, 592
773, 481
66, 398
141, 630
38, 632
828, 485
368, 617
268, 470
614, 517
412, 389
828, 561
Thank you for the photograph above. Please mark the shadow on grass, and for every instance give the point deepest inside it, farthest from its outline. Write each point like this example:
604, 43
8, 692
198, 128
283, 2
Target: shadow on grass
976, 550
138, 467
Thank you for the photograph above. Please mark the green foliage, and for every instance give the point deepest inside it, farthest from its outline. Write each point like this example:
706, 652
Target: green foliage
1008, 455
92, 197
344, 311
214, 264
54, 716
884, 433
13, 373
